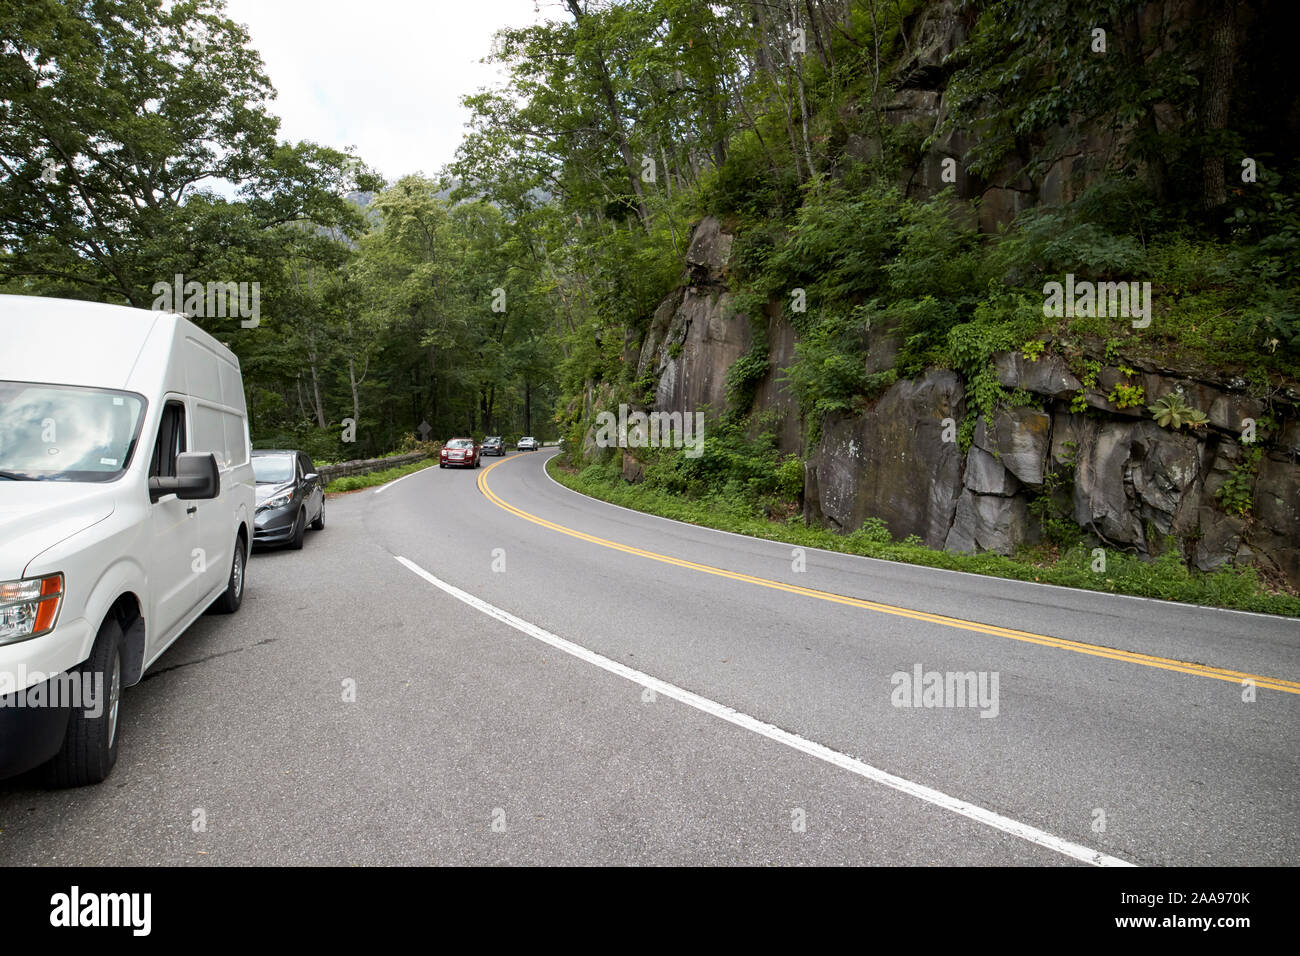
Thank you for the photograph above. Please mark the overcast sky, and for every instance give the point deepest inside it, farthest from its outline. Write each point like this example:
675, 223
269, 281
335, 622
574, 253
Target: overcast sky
385, 76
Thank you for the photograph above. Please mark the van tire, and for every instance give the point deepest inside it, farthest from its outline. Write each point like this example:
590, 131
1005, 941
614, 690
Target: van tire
90, 744
233, 596
319, 523
299, 529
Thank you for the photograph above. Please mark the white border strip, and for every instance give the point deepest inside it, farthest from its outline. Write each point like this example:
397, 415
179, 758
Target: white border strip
397, 481
1007, 825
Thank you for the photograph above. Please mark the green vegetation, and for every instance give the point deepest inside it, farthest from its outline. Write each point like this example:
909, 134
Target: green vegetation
374, 478
1237, 493
376, 301
1032, 349
501, 293
1172, 411
738, 463
1166, 577
1050, 506
1126, 394
955, 301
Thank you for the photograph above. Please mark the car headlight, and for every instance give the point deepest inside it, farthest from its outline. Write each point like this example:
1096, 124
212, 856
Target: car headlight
279, 501
29, 607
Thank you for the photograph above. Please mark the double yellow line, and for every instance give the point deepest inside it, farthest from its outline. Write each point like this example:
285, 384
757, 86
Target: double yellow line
1078, 647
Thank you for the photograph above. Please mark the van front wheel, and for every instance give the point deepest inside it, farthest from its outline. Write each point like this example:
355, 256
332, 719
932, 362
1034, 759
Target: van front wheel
229, 602
90, 743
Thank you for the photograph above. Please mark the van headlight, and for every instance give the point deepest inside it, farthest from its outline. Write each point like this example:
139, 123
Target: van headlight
29, 607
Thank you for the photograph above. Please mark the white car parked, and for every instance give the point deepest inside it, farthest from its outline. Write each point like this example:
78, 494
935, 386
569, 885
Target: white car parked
126, 510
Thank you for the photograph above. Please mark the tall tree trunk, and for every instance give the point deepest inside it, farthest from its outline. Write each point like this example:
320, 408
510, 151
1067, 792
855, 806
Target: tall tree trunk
716, 122
877, 26
315, 387
1217, 96
620, 129
414, 392
797, 61
803, 116
823, 49
355, 383
1157, 170
767, 39
668, 172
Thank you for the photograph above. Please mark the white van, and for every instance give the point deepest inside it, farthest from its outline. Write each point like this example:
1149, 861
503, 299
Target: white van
126, 510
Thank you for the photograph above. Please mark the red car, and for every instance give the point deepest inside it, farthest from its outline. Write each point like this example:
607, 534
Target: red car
460, 453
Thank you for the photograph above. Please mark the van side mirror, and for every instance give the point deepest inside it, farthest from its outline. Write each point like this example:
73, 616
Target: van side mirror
310, 476
197, 477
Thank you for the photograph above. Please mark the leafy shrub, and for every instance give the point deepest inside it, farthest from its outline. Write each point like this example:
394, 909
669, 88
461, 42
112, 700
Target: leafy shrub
1172, 411
735, 469
1237, 493
830, 370
1126, 394
410, 443
873, 531
749, 184
745, 374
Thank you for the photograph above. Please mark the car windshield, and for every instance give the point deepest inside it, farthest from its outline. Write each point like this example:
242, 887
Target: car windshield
273, 469
66, 433
494, 438
460, 443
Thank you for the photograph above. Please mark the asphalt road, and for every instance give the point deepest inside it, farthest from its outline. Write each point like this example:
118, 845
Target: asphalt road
543, 678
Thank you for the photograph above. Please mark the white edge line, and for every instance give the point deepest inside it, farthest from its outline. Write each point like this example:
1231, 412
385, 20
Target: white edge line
936, 797
923, 567
382, 488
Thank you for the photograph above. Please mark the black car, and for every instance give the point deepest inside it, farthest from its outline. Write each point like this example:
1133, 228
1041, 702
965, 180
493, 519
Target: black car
290, 495
494, 445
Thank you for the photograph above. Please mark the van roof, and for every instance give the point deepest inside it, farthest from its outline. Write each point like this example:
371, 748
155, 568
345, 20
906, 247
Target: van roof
72, 342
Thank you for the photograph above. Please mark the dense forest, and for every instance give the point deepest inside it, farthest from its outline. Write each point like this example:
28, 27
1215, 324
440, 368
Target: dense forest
511, 292
576, 187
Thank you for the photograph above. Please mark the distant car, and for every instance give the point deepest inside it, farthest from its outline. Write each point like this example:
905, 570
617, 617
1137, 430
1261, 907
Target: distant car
290, 496
528, 444
460, 453
494, 445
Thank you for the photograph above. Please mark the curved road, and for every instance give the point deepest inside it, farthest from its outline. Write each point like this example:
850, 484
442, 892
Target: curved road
485, 667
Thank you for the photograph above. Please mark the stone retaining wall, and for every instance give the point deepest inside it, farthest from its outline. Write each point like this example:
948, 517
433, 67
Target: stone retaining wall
364, 466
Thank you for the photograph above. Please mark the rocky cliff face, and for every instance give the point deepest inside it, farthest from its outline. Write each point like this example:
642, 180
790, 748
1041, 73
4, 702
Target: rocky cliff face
919, 103
1125, 481
893, 462
694, 336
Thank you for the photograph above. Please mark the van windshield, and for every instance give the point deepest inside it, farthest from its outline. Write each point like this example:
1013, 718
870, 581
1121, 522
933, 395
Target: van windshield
65, 432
